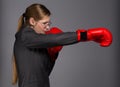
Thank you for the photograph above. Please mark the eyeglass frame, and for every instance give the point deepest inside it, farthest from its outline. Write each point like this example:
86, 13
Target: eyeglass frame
46, 23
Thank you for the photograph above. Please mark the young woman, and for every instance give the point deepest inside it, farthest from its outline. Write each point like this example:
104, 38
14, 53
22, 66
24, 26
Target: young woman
37, 46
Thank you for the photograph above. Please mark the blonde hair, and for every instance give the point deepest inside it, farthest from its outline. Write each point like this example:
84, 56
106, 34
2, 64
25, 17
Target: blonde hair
37, 11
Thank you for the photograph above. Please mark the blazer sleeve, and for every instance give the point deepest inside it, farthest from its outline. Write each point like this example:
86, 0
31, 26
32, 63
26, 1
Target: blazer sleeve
31, 39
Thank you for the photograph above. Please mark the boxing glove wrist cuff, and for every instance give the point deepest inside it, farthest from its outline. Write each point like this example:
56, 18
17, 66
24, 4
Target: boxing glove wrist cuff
81, 35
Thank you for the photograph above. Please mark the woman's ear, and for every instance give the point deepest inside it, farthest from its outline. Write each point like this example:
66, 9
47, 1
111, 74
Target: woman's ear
32, 21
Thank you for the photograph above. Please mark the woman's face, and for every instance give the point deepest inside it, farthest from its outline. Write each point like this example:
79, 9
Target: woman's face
43, 25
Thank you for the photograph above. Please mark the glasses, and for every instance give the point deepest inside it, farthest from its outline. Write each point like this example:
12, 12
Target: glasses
46, 23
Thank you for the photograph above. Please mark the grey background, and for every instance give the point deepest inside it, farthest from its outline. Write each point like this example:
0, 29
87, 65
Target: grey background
79, 65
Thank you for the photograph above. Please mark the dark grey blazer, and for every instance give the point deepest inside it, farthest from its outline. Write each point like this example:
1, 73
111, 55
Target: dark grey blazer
34, 64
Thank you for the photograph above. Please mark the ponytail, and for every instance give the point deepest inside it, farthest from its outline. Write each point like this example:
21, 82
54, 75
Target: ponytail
20, 22
14, 71
14, 68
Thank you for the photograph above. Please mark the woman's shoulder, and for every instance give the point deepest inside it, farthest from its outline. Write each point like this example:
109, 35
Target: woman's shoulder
23, 30
26, 28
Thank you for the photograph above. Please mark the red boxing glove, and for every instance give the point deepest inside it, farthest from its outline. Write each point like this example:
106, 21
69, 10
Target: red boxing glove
54, 50
54, 30
100, 35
